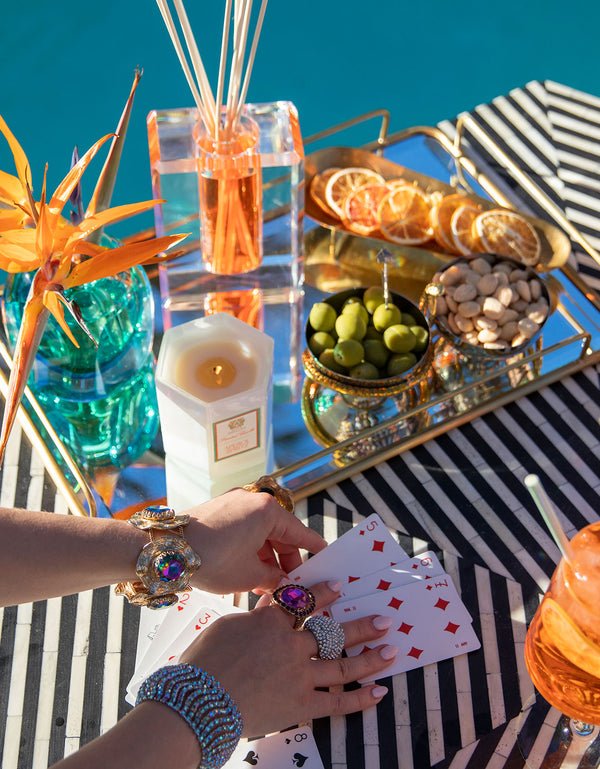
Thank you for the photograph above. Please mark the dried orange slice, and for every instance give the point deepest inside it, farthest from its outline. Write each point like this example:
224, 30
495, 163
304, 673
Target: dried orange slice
345, 181
461, 223
507, 234
317, 190
404, 216
361, 207
441, 216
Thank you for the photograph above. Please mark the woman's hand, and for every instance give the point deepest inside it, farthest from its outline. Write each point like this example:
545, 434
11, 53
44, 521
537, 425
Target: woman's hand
268, 670
246, 540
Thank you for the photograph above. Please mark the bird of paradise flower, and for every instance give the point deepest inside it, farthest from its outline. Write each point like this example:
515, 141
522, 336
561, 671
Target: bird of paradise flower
35, 236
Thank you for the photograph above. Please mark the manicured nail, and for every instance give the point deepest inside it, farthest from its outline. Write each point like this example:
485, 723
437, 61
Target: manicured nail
388, 652
285, 580
382, 623
335, 586
379, 691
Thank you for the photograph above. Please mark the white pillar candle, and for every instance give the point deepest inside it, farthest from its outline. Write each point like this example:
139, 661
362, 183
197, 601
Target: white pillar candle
213, 381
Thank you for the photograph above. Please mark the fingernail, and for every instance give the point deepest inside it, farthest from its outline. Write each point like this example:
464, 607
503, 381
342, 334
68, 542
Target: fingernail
285, 580
335, 586
382, 623
388, 652
379, 691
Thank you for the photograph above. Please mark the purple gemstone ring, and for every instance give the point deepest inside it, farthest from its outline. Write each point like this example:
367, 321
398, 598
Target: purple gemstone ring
296, 600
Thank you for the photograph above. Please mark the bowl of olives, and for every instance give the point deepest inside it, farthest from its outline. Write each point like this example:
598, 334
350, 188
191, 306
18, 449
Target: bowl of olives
360, 345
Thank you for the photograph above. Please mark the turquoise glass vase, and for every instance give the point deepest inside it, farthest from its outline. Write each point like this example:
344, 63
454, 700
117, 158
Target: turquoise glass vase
101, 401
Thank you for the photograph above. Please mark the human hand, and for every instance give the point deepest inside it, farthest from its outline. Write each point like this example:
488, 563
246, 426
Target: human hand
267, 669
246, 540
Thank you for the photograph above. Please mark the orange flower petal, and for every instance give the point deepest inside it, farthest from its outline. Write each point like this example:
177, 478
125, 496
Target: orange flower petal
11, 218
52, 302
102, 218
35, 317
116, 260
11, 189
63, 192
21, 162
14, 258
24, 237
85, 248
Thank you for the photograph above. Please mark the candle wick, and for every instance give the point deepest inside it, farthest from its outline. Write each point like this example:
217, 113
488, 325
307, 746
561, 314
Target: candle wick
217, 371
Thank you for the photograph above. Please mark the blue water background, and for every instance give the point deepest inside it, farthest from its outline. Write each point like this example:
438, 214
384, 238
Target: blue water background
66, 66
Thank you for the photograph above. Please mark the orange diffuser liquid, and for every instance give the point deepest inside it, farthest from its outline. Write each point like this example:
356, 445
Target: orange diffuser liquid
562, 647
230, 198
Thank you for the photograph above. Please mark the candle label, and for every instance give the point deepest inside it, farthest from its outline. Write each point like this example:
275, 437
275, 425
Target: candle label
236, 435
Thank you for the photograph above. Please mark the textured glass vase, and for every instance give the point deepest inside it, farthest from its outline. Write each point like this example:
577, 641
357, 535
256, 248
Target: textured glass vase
101, 401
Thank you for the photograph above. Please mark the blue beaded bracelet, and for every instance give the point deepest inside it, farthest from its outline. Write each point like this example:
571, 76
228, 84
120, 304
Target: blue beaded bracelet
204, 705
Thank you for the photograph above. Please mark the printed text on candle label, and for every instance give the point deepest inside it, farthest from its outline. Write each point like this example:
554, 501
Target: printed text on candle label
237, 434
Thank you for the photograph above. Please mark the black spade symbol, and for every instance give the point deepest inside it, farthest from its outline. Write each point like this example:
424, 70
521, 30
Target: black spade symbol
299, 760
252, 758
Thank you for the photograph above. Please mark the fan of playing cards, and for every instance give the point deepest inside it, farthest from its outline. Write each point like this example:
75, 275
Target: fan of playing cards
430, 622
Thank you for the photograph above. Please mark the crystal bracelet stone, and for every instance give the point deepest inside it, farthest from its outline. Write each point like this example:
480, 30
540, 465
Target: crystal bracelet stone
203, 704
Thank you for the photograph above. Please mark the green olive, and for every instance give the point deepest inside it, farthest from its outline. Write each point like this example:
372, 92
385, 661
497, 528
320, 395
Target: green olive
372, 333
400, 363
422, 335
376, 352
408, 320
364, 371
349, 326
320, 341
356, 308
399, 338
348, 352
322, 316
327, 359
372, 298
384, 317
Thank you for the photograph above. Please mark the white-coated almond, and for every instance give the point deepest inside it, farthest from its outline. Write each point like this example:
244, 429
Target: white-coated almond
522, 287
502, 278
517, 275
505, 267
471, 337
452, 324
464, 324
469, 309
451, 275
441, 306
504, 295
508, 316
528, 327
465, 293
520, 306
537, 313
499, 345
518, 340
452, 305
487, 284
487, 336
480, 265
509, 330
492, 308
481, 323
536, 289
471, 277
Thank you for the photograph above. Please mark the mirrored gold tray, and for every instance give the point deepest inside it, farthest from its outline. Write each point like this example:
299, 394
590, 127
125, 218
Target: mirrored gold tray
324, 437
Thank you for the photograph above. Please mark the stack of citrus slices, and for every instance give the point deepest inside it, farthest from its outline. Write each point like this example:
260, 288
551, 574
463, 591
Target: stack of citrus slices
401, 212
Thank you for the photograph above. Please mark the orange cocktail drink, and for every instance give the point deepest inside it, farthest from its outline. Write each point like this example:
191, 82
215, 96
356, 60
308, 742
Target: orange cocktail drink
562, 647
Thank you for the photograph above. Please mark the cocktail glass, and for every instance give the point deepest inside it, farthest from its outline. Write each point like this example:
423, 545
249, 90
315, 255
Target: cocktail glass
562, 655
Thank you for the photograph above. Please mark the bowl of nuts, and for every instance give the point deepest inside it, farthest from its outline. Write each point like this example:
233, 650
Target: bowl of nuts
490, 307
361, 345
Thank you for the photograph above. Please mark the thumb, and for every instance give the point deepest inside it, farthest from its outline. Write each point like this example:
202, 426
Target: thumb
268, 576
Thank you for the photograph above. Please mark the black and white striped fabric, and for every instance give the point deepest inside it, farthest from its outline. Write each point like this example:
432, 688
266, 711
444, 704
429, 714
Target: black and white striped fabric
64, 664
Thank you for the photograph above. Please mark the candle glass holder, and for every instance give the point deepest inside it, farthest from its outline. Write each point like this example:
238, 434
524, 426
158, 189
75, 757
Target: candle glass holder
230, 197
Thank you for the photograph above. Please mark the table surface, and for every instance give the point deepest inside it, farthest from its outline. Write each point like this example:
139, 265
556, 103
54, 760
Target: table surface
64, 663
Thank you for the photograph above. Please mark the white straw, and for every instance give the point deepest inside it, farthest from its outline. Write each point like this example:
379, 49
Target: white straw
233, 72
170, 25
257, 31
546, 508
222, 65
201, 77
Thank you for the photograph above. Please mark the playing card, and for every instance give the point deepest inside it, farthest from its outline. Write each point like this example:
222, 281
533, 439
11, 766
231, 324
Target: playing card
421, 567
293, 749
366, 548
179, 628
430, 622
